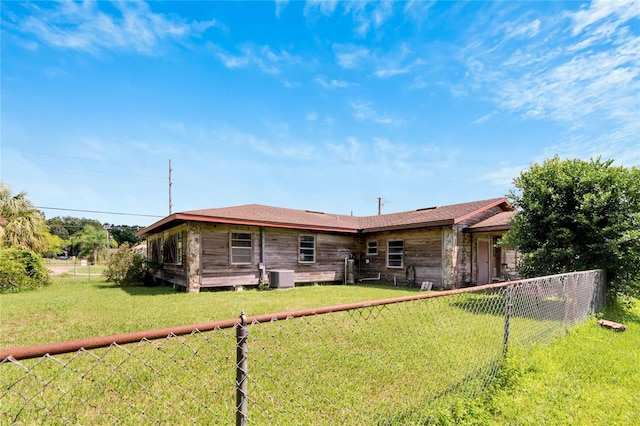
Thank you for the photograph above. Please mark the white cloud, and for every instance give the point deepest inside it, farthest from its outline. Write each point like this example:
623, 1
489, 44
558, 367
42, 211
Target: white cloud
524, 30
368, 15
311, 116
273, 148
280, 5
364, 111
580, 69
350, 152
600, 10
263, 57
325, 7
83, 26
504, 175
350, 56
418, 10
332, 83
484, 118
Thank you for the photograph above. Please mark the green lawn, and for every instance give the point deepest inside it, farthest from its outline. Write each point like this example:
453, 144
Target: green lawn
412, 363
75, 307
590, 377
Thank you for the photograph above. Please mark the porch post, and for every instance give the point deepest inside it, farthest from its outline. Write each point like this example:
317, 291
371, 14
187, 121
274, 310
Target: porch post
449, 257
193, 259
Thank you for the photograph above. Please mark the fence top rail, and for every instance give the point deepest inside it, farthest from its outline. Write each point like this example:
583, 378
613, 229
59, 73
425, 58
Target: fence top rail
37, 351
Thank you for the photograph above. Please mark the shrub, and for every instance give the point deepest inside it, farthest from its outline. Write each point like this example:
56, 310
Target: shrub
20, 270
126, 267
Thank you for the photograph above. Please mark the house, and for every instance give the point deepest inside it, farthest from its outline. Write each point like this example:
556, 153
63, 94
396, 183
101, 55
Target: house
450, 246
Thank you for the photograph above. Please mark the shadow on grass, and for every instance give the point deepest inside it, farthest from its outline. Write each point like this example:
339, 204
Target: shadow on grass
622, 311
133, 290
524, 305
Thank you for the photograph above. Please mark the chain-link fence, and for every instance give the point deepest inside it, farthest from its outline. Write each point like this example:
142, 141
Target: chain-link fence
395, 361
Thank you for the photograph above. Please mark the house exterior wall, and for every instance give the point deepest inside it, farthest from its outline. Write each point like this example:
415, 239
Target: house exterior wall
422, 250
508, 256
173, 270
463, 274
207, 256
444, 255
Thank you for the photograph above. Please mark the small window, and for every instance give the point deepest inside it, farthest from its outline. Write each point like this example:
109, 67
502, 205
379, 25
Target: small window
307, 244
372, 248
241, 248
395, 253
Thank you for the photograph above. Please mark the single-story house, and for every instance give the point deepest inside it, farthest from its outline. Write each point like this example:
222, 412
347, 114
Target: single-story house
450, 246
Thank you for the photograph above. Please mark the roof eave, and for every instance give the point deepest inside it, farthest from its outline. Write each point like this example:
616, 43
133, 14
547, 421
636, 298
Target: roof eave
496, 203
182, 217
488, 228
433, 224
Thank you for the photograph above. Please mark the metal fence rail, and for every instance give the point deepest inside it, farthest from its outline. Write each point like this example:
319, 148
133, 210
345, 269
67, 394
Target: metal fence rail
396, 361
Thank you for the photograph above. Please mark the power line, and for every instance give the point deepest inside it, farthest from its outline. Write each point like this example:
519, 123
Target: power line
90, 159
96, 211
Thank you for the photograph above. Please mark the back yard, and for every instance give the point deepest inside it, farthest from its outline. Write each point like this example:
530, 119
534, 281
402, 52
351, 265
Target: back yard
387, 364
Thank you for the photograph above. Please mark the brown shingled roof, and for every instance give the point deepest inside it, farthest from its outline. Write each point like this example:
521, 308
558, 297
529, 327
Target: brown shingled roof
430, 216
260, 215
499, 222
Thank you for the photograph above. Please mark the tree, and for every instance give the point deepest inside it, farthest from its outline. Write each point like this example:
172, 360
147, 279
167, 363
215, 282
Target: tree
21, 224
90, 239
66, 226
579, 215
125, 234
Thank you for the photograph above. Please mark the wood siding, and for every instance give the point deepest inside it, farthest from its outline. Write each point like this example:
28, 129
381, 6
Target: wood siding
422, 250
443, 255
281, 252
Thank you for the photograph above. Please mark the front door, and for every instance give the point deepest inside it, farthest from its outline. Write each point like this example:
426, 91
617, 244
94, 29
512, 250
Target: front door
483, 262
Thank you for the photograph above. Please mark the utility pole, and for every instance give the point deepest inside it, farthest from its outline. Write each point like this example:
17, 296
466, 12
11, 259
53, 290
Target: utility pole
170, 183
380, 206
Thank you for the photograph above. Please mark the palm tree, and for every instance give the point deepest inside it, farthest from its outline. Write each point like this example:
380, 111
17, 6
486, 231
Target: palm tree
21, 224
91, 239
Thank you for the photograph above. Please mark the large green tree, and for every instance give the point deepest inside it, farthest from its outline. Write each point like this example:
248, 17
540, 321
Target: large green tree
21, 224
90, 239
579, 215
125, 234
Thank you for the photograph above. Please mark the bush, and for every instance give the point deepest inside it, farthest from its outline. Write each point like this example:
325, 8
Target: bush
21, 270
126, 267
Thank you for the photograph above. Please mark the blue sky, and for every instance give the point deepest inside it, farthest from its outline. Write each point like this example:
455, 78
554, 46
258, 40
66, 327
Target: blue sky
310, 105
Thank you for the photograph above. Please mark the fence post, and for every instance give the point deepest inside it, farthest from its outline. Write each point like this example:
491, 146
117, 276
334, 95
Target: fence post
508, 304
242, 373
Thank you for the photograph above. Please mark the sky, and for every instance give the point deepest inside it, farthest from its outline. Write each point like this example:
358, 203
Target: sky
318, 105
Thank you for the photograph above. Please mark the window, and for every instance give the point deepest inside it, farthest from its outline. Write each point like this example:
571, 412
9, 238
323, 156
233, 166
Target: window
372, 248
395, 253
241, 247
172, 250
307, 244
154, 250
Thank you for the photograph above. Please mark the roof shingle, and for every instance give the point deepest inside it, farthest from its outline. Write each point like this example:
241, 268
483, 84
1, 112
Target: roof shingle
261, 215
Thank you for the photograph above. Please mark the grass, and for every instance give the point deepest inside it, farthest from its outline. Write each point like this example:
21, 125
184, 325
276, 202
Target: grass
413, 363
75, 307
589, 377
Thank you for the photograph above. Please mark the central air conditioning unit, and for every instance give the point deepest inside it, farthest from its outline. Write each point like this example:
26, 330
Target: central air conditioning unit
281, 278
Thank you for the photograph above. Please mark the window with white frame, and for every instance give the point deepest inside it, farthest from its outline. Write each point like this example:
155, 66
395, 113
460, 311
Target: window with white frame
395, 253
372, 248
307, 248
241, 246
